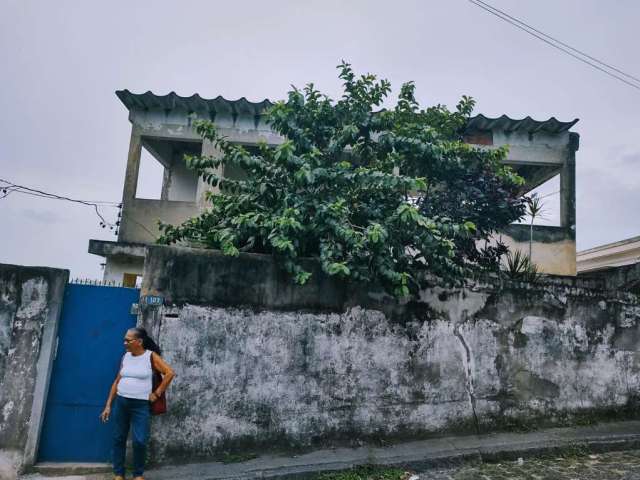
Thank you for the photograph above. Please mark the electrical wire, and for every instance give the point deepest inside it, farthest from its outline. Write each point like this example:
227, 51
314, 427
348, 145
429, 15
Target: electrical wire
9, 187
559, 45
550, 194
580, 52
61, 197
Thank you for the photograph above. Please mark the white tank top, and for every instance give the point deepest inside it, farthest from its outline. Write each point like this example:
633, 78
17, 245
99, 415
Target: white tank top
135, 381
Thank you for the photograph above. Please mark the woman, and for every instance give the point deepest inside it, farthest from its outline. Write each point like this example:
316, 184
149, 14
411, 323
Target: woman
132, 391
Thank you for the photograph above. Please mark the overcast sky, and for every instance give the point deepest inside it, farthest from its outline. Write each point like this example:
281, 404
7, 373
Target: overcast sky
63, 130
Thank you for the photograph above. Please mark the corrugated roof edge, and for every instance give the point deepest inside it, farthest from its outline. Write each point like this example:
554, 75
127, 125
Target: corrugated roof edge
195, 103
527, 124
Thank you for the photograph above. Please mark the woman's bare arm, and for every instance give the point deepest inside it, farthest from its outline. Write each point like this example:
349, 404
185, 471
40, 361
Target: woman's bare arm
104, 416
165, 370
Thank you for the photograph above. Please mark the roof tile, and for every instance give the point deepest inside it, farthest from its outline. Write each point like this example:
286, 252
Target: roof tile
242, 106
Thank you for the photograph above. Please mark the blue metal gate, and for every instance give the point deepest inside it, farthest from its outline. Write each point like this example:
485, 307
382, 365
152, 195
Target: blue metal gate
92, 325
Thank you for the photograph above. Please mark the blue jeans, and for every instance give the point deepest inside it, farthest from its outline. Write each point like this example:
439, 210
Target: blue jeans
137, 413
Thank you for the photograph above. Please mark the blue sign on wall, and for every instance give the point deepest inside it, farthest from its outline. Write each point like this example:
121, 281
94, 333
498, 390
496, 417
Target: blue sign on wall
152, 300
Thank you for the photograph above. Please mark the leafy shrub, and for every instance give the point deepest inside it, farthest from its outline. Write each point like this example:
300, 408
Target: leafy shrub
388, 196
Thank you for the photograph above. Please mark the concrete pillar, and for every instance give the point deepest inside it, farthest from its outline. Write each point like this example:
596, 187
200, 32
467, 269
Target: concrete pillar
166, 184
208, 149
568, 187
133, 167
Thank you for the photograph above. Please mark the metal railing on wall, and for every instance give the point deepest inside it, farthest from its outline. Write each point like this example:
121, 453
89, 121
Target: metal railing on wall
98, 283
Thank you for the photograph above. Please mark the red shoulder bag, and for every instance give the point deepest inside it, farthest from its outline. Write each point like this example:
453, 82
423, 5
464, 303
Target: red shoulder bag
160, 405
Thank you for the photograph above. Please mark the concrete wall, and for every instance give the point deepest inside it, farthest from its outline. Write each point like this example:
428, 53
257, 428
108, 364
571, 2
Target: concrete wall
140, 218
553, 249
540, 148
30, 305
556, 258
263, 364
625, 277
182, 182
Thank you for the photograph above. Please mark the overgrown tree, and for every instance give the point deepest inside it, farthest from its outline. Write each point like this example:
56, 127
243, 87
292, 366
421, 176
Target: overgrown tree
388, 196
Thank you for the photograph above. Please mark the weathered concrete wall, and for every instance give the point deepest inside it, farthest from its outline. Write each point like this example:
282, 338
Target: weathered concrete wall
263, 364
625, 277
553, 249
140, 218
182, 182
30, 304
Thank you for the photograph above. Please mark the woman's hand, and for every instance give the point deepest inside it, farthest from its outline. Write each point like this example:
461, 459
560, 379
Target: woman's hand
104, 416
153, 397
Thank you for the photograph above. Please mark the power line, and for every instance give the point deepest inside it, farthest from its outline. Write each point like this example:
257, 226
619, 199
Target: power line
550, 194
503, 16
559, 45
8, 190
10, 187
580, 52
53, 195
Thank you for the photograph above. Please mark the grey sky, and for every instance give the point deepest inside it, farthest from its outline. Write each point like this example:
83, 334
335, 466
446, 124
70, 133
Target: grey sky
62, 129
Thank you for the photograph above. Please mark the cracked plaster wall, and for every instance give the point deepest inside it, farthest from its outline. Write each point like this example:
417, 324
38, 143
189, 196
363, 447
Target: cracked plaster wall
489, 357
29, 300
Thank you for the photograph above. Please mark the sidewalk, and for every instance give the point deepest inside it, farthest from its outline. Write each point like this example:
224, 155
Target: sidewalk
418, 455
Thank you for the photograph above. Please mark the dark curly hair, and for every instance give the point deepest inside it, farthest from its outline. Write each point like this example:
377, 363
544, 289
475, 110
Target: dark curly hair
147, 341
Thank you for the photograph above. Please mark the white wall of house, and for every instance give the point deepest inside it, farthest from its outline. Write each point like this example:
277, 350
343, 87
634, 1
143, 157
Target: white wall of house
115, 268
616, 254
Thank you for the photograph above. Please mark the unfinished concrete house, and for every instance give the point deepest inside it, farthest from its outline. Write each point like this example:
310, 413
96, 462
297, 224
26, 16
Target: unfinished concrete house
161, 130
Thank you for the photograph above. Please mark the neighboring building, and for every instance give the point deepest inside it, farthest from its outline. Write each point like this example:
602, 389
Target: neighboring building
617, 263
539, 150
608, 256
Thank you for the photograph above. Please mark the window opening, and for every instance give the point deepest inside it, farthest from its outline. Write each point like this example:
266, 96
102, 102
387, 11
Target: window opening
170, 178
547, 209
150, 177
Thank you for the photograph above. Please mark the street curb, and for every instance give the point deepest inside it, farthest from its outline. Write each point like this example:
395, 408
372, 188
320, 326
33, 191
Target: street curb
420, 455
456, 459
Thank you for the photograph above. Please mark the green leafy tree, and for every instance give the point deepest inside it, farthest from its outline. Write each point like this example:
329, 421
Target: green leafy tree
387, 196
